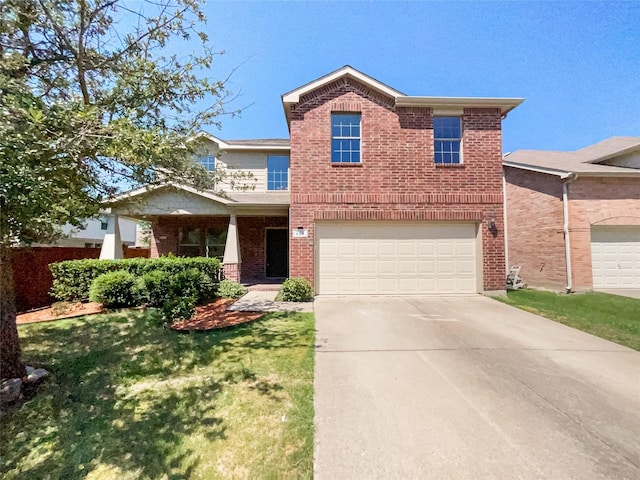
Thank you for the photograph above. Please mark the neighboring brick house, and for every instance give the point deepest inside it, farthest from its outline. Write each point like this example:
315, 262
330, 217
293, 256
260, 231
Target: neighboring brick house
384, 194
573, 218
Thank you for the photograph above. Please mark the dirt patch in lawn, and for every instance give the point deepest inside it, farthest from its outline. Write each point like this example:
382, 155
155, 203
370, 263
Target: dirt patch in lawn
60, 310
215, 315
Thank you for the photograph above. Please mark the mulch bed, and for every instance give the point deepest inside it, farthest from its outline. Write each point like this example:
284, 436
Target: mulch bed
207, 317
213, 316
57, 312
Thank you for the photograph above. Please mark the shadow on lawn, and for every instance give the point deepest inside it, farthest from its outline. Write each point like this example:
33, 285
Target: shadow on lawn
102, 404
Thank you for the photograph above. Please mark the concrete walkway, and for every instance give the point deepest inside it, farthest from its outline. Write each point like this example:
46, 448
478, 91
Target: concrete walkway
264, 301
469, 388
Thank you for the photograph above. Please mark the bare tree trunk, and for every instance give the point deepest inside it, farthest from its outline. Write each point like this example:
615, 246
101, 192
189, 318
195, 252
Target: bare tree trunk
10, 365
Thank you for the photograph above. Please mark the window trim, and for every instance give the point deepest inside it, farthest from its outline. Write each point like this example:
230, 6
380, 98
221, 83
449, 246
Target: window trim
458, 139
288, 157
208, 156
359, 137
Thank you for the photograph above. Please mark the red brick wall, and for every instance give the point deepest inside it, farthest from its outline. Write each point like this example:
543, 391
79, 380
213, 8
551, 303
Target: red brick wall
251, 232
32, 276
598, 201
535, 223
535, 227
397, 178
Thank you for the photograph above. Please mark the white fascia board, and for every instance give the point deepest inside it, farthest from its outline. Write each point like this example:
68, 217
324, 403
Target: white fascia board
226, 147
294, 95
444, 103
261, 148
550, 171
148, 189
624, 172
619, 153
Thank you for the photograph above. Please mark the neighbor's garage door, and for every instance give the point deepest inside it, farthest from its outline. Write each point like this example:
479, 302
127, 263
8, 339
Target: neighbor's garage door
395, 259
615, 257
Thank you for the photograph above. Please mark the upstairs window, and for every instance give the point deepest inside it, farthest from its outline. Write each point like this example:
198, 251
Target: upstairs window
208, 162
277, 172
447, 135
345, 138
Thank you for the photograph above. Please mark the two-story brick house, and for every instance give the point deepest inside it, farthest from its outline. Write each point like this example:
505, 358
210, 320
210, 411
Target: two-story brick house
384, 194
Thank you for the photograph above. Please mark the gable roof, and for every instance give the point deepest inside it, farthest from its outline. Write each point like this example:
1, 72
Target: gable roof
230, 199
262, 144
584, 161
347, 71
446, 105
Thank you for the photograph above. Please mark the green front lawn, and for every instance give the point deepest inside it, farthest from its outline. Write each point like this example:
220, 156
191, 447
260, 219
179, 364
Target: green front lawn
129, 400
611, 317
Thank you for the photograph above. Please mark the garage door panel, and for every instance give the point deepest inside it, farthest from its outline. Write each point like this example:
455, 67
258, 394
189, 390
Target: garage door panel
615, 256
347, 267
385, 258
367, 248
426, 267
407, 268
426, 248
367, 267
387, 248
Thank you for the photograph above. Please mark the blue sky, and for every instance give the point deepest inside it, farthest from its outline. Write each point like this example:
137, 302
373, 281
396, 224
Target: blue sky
577, 64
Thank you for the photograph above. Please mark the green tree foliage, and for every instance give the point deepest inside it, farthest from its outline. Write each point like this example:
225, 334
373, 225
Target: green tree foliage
91, 101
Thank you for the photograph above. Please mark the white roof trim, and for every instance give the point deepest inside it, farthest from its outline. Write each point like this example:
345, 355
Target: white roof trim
550, 171
504, 104
141, 191
224, 146
566, 173
609, 156
294, 95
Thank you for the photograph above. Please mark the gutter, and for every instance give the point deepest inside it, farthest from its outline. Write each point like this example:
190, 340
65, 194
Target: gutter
569, 178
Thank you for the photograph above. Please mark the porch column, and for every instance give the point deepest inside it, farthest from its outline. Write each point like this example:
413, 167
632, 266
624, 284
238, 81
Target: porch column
231, 260
112, 243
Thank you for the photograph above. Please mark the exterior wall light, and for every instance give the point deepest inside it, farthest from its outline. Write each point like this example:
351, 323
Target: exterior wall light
491, 223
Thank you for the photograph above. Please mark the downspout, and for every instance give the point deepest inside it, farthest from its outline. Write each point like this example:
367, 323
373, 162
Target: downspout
504, 226
570, 178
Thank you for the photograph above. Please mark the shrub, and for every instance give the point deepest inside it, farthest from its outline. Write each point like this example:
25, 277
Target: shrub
178, 308
155, 288
230, 289
115, 290
192, 283
296, 290
72, 278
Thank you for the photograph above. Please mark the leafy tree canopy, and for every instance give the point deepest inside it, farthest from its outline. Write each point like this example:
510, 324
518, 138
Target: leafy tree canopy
90, 101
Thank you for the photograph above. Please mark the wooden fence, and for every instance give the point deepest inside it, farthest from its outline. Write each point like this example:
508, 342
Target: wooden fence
33, 278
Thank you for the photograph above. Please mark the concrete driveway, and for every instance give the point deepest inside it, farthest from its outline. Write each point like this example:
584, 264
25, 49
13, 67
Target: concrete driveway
469, 388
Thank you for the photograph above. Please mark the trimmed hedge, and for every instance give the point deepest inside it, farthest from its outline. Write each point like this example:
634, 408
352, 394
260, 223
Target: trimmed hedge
296, 289
115, 290
72, 278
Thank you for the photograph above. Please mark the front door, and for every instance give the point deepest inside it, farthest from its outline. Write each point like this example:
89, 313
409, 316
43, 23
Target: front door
277, 253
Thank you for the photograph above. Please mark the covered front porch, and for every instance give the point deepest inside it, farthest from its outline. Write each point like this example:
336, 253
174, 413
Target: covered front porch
247, 231
252, 248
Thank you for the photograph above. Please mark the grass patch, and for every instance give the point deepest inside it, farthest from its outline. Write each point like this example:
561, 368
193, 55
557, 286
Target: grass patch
127, 399
611, 317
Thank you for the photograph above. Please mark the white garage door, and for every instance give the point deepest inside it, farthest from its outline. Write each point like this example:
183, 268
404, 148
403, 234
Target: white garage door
615, 257
396, 259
